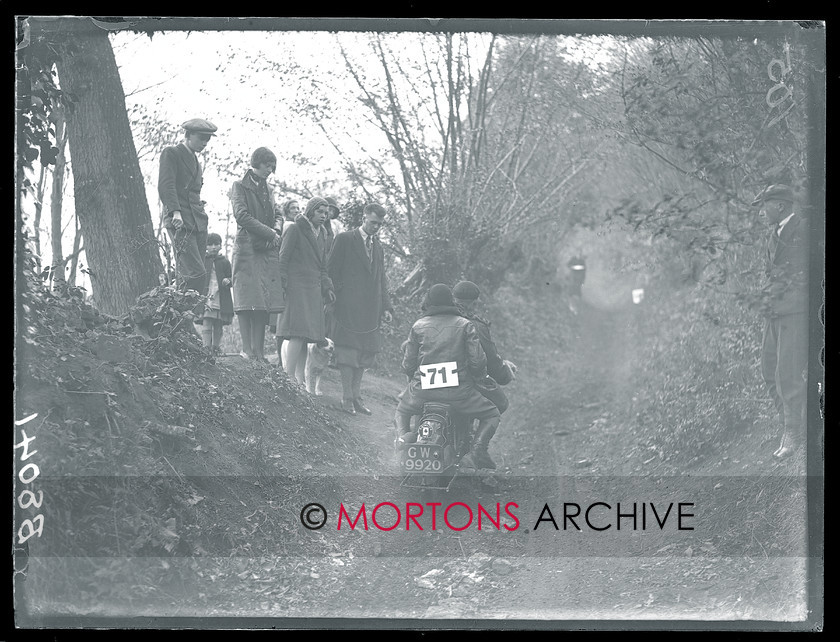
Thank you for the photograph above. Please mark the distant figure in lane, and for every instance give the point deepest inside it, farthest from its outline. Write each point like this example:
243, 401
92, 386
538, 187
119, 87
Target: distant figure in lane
577, 269
577, 275
179, 187
303, 272
784, 352
257, 291
218, 311
500, 372
357, 269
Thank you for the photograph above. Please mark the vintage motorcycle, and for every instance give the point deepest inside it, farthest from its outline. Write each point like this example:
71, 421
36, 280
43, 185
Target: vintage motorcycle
429, 455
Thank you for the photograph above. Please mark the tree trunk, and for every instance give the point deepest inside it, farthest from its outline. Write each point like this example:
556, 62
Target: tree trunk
57, 196
39, 204
74, 257
121, 250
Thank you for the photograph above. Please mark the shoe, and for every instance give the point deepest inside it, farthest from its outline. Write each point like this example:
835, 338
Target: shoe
360, 407
347, 406
484, 460
244, 355
478, 457
467, 461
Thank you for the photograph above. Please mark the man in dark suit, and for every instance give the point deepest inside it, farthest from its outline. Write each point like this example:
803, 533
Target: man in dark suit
357, 269
179, 187
784, 353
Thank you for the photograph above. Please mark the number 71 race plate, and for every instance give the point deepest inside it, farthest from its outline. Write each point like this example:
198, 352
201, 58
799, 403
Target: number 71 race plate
439, 375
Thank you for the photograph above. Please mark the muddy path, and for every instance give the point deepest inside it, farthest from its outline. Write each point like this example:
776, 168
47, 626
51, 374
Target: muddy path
484, 550
557, 443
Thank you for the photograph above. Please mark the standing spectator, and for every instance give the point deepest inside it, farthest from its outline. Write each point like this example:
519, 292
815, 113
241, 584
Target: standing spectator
179, 188
289, 210
784, 353
357, 268
303, 272
218, 311
328, 226
257, 290
500, 372
329, 310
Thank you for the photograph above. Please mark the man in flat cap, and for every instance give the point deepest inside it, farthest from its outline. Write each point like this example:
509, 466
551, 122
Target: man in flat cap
179, 187
784, 353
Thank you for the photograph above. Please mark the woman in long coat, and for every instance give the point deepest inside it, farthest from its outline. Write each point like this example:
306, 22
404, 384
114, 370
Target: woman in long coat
303, 272
257, 290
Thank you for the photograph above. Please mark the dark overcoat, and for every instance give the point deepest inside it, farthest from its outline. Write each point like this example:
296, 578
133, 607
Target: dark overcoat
256, 266
223, 271
303, 273
361, 290
786, 260
179, 187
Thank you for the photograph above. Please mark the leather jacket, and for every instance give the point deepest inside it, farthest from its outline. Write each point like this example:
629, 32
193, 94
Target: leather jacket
444, 335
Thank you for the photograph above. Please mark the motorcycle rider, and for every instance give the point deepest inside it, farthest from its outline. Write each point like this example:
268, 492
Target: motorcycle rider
443, 335
500, 371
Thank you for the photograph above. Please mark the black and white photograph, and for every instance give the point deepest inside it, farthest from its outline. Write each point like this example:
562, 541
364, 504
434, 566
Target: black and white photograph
343, 323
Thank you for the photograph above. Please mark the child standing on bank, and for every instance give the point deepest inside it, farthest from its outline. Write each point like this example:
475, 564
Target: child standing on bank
218, 311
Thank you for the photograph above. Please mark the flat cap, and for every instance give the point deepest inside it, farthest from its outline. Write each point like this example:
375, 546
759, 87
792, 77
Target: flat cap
466, 291
199, 126
776, 192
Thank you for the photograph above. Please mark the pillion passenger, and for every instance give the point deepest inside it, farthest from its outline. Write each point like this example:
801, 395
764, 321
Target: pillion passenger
500, 372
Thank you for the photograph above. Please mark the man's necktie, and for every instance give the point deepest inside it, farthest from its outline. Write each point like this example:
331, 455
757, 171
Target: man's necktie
369, 248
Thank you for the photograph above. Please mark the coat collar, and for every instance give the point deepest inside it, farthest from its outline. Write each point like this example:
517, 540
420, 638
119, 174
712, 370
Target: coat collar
434, 310
253, 182
306, 229
188, 156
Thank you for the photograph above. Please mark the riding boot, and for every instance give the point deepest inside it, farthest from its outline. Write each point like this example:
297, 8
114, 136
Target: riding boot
478, 456
402, 422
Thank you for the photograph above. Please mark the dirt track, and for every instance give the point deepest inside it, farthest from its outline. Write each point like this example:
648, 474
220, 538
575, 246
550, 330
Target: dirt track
559, 442
557, 436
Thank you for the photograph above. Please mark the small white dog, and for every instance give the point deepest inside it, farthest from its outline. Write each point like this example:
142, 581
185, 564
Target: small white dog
317, 359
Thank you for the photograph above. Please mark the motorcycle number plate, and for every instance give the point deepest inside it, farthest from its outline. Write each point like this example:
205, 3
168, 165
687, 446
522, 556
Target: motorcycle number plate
423, 458
439, 375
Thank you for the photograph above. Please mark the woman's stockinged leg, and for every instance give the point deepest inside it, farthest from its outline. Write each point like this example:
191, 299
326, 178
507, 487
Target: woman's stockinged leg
279, 341
207, 333
300, 370
260, 321
245, 324
293, 352
218, 328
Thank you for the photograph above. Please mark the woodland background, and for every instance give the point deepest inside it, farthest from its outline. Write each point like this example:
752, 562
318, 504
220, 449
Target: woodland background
498, 157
